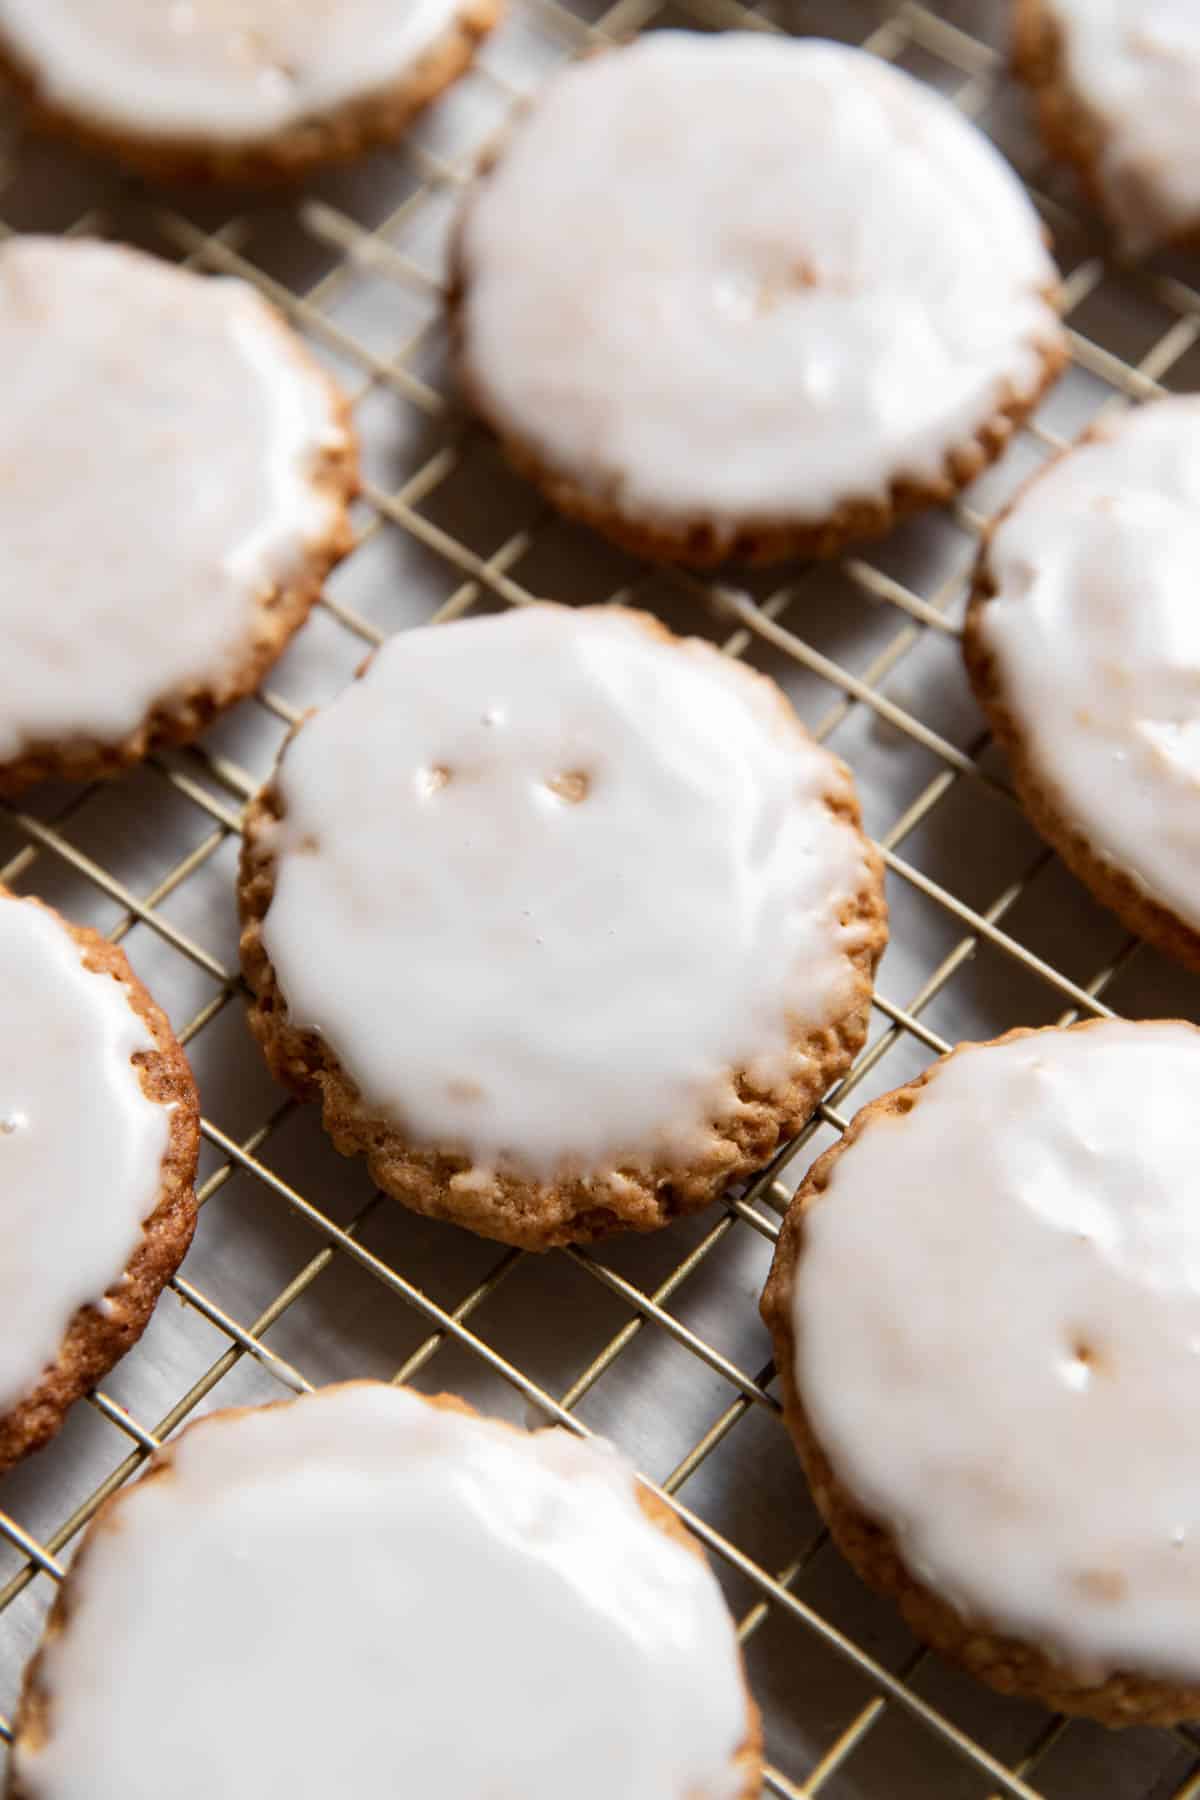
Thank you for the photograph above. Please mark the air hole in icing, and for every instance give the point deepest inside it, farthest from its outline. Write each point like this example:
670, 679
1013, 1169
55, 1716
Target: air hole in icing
1084, 1363
433, 780
1104, 1585
571, 786
309, 844
466, 1091
782, 283
254, 50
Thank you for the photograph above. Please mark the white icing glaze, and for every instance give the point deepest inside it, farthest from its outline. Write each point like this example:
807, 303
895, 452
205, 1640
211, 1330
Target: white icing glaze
159, 435
81, 1146
554, 981
214, 70
997, 1317
1135, 64
470, 1611
1097, 640
794, 276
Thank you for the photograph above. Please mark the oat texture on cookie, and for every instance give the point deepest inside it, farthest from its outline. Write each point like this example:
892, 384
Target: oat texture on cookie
481, 1610
803, 295
1083, 644
566, 921
238, 89
1116, 84
176, 471
986, 1315
98, 1145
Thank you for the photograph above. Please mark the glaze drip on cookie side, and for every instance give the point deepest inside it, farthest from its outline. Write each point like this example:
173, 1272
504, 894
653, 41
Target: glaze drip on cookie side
81, 1145
1095, 637
804, 278
997, 1340
480, 1611
544, 882
1135, 66
213, 69
161, 440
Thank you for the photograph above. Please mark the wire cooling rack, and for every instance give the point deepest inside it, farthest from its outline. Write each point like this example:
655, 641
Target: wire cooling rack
300, 1273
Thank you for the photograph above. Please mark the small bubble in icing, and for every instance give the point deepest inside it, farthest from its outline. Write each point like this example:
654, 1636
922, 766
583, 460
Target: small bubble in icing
572, 786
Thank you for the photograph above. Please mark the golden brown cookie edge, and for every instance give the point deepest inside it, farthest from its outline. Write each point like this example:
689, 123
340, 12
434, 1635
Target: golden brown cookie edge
701, 542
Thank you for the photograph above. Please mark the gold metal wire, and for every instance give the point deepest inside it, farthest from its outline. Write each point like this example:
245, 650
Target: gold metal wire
972, 71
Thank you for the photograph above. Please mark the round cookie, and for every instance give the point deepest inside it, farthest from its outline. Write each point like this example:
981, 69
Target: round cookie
568, 923
985, 1303
481, 1610
804, 296
176, 472
99, 1133
258, 91
1082, 643
1115, 85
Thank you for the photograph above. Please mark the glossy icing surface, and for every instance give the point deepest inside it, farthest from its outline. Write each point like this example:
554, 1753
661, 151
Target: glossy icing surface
1136, 65
997, 1317
159, 437
81, 1146
545, 880
216, 69
361, 1594
803, 277
1096, 637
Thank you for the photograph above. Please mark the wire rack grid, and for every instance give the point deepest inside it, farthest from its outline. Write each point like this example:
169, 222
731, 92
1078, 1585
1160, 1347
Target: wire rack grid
300, 1273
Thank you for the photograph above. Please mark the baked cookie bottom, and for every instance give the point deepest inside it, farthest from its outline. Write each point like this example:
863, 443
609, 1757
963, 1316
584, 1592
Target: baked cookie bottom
702, 542
1008, 1664
278, 615
1112, 885
1071, 130
630, 1195
34, 1718
347, 131
96, 1339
